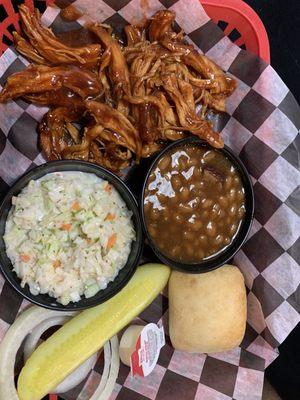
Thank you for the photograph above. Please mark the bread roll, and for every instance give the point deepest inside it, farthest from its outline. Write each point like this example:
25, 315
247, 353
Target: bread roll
207, 312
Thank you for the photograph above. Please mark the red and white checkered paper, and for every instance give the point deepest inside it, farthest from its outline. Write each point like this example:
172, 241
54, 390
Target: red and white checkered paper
262, 125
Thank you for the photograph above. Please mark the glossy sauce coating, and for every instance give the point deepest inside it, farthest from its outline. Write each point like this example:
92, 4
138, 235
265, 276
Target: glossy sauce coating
194, 203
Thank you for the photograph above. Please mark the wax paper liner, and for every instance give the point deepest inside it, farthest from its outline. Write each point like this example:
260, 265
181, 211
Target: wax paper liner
262, 125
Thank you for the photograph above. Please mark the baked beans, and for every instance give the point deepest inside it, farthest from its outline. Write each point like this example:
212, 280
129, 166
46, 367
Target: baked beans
194, 203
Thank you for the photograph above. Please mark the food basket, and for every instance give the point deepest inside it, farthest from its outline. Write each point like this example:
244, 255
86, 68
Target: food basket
268, 293
238, 21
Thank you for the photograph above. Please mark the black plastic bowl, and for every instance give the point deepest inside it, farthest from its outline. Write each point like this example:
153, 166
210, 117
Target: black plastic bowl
125, 273
222, 257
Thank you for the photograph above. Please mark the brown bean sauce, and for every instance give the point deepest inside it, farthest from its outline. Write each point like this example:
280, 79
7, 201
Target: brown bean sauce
194, 203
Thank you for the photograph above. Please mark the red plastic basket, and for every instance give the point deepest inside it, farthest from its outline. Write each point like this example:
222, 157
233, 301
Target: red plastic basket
241, 23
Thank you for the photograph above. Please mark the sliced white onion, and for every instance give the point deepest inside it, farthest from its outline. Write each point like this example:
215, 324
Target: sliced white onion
76, 376
103, 393
11, 342
105, 373
114, 369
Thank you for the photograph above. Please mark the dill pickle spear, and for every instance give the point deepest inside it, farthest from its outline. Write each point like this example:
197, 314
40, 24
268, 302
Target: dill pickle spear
86, 333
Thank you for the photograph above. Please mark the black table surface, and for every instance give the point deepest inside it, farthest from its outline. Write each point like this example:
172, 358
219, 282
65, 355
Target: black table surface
282, 22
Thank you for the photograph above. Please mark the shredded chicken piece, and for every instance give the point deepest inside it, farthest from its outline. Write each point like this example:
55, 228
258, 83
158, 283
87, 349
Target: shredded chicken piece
150, 99
161, 26
134, 34
59, 139
82, 149
39, 79
49, 47
180, 93
56, 98
161, 30
184, 72
173, 135
27, 50
204, 66
118, 70
208, 69
151, 148
169, 113
115, 121
109, 156
216, 102
54, 137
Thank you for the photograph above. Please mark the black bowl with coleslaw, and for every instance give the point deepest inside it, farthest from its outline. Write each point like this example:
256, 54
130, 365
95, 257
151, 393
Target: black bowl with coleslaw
124, 274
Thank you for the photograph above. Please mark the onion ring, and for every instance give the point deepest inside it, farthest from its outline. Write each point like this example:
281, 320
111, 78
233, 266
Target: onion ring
113, 372
105, 373
33, 338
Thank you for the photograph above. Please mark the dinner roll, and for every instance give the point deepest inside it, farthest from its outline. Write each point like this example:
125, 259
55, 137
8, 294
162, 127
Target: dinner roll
207, 312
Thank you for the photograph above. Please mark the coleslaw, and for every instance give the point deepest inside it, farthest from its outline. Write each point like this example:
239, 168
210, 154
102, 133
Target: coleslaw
68, 234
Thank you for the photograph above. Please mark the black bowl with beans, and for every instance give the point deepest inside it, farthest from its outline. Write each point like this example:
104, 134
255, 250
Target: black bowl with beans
197, 205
